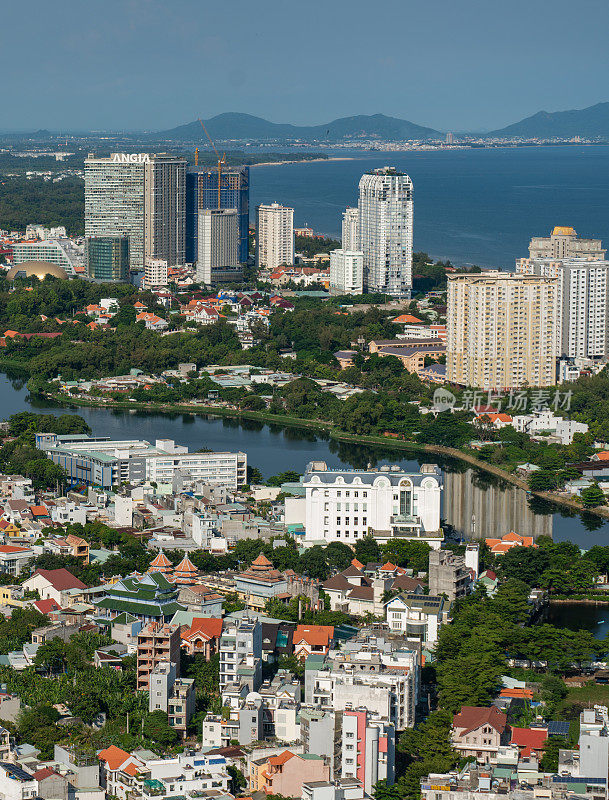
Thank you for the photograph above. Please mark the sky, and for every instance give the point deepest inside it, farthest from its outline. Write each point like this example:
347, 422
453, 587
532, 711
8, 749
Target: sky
151, 65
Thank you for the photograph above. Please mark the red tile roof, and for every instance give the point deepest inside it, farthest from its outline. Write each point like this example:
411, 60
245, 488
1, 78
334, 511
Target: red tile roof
472, 717
529, 740
61, 579
318, 635
113, 756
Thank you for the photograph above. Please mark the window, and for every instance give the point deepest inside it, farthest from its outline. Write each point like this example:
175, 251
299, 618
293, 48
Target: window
338, 521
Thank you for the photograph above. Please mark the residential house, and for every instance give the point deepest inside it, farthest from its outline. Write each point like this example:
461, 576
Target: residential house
286, 773
479, 732
203, 636
13, 558
53, 584
418, 616
309, 639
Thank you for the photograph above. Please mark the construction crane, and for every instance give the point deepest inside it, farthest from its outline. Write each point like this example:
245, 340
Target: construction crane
221, 160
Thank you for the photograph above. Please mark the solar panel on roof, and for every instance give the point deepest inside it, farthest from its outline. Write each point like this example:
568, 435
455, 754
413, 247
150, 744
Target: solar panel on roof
558, 728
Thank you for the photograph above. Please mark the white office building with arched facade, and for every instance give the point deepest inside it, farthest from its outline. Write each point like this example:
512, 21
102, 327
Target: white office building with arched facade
346, 505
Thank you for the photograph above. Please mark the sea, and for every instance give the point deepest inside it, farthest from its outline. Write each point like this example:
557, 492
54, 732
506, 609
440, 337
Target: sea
472, 206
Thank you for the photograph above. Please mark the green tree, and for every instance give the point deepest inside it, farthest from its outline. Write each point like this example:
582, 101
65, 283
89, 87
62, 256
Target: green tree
593, 496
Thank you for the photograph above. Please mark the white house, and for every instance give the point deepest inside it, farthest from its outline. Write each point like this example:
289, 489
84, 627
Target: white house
346, 505
418, 616
545, 420
52, 584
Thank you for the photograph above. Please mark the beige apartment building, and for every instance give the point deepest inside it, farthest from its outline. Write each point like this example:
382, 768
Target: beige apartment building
501, 330
563, 242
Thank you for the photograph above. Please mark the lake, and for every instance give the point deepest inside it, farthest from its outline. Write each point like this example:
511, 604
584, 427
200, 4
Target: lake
474, 503
476, 206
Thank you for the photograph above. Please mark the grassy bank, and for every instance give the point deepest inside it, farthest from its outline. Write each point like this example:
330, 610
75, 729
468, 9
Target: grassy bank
328, 428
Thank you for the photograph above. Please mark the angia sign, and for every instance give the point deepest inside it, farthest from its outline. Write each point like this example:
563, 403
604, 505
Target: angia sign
130, 158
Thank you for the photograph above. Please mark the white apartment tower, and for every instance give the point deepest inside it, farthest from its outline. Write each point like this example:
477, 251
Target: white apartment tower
385, 231
274, 236
583, 303
346, 271
218, 245
141, 196
501, 330
350, 229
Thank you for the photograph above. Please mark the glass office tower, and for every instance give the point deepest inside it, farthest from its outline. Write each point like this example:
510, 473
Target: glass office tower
202, 194
107, 258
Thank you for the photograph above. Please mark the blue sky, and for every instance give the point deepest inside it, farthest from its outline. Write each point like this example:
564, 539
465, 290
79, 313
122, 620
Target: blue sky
449, 64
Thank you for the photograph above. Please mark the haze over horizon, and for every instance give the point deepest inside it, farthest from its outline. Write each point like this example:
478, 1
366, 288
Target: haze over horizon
147, 65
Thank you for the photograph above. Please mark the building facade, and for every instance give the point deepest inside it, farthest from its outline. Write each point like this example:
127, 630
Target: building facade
103, 462
346, 505
141, 196
563, 243
61, 251
274, 236
368, 749
114, 201
350, 229
157, 643
501, 330
218, 246
583, 303
346, 271
107, 258
241, 654
386, 208
202, 193
165, 208
156, 272
448, 574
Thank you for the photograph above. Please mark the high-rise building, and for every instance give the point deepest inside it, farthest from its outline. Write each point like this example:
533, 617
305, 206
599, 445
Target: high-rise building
274, 236
107, 258
385, 231
346, 271
156, 272
563, 243
368, 749
501, 330
63, 251
141, 196
350, 229
218, 246
202, 193
583, 303
165, 208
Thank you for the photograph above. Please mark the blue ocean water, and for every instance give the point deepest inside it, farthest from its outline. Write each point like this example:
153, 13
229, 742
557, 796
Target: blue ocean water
477, 206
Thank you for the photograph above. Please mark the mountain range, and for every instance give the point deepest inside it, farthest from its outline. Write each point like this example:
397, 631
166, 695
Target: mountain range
588, 122
233, 125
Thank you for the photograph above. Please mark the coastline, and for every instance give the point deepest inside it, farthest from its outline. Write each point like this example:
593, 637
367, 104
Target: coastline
329, 429
301, 161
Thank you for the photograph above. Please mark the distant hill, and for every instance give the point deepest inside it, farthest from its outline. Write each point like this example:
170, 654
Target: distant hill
234, 125
586, 122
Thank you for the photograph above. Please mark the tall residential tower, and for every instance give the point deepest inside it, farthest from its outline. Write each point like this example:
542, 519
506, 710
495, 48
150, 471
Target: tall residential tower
274, 236
385, 231
501, 330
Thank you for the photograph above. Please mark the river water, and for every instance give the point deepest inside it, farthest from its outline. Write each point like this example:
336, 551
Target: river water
474, 503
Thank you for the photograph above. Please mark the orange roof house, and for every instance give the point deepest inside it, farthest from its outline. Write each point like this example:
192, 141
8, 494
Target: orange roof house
310, 639
407, 319
508, 541
203, 636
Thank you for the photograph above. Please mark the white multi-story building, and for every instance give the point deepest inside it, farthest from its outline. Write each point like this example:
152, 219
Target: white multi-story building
386, 208
350, 227
345, 505
65, 252
346, 271
418, 616
501, 330
583, 303
141, 196
156, 272
241, 653
385, 683
274, 236
218, 245
368, 749
40, 232
105, 462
